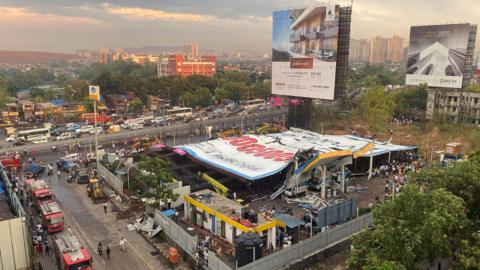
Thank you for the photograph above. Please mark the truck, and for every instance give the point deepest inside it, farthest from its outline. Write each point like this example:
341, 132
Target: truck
89, 118
39, 191
11, 161
70, 253
52, 216
33, 170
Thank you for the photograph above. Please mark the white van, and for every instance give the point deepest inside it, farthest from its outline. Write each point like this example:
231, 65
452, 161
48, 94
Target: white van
40, 140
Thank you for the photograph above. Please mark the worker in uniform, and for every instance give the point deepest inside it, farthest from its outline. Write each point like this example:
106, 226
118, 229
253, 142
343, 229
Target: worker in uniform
100, 248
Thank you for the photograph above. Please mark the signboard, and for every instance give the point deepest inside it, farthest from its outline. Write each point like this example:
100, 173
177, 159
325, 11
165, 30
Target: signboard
251, 157
94, 92
436, 55
304, 51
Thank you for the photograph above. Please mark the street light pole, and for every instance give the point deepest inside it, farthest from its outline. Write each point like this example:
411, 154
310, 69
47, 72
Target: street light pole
96, 133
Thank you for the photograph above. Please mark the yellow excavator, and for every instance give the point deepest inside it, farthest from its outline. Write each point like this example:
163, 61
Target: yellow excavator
219, 188
266, 128
95, 192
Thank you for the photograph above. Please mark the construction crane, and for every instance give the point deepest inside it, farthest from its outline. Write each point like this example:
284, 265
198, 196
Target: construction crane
220, 189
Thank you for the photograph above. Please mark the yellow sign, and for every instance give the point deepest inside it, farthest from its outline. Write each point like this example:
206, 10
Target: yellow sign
94, 92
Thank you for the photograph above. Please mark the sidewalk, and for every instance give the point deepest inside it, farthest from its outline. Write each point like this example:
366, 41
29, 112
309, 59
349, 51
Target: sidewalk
136, 244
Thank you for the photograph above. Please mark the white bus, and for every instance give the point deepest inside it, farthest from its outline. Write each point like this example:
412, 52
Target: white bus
179, 112
252, 104
34, 134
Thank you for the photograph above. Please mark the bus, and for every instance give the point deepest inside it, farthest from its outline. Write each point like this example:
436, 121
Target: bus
252, 104
34, 134
179, 112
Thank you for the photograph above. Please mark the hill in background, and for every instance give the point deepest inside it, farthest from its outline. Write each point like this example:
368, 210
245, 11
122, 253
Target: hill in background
25, 57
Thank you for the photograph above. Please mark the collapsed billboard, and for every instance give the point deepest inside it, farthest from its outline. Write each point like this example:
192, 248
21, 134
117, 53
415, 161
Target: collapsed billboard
304, 51
436, 55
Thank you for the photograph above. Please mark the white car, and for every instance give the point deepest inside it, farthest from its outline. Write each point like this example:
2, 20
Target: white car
64, 136
85, 129
11, 138
158, 121
99, 130
135, 126
40, 140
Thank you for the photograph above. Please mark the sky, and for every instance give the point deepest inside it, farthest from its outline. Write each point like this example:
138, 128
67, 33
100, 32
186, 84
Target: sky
221, 25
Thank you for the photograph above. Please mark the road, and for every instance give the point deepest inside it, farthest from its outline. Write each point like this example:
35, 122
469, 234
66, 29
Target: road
246, 121
89, 222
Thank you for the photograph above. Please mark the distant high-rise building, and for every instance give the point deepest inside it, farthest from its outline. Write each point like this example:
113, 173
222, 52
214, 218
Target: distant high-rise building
177, 65
103, 55
194, 51
359, 51
378, 50
395, 49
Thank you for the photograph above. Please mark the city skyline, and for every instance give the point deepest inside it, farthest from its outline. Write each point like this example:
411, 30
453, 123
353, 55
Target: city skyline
226, 26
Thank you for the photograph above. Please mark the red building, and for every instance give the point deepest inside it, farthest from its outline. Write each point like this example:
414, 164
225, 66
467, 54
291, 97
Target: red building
177, 65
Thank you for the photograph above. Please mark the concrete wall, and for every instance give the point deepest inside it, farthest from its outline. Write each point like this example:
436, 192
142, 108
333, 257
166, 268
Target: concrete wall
14, 245
111, 178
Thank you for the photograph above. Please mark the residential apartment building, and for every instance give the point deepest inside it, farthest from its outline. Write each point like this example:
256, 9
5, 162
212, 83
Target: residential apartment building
142, 59
395, 49
178, 65
453, 105
103, 55
378, 50
359, 51
194, 51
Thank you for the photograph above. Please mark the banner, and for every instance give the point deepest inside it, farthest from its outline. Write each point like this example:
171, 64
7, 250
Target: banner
94, 92
436, 55
304, 51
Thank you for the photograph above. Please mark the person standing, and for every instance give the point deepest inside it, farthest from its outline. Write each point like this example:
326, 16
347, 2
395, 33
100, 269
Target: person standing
105, 206
58, 174
123, 241
100, 248
108, 251
46, 247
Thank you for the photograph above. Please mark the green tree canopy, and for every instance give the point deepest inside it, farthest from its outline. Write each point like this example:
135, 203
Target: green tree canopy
377, 107
155, 173
414, 228
135, 106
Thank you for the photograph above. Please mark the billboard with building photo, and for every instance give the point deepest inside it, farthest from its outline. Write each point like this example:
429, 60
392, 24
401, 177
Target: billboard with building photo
304, 51
436, 55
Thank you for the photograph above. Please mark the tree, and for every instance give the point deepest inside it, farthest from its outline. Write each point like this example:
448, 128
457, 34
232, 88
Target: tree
469, 254
4, 97
135, 106
461, 178
377, 108
155, 173
411, 100
414, 228
203, 97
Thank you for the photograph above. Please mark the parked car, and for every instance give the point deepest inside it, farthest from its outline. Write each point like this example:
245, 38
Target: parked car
99, 130
11, 138
73, 127
57, 131
40, 140
135, 126
85, 129
158, 121
64, 136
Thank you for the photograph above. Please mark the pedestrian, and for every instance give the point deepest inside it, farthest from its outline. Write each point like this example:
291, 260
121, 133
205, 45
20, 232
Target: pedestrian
40, 267
69, 230
46, 247
105, 205
100, 248
58, 174
108, 251
123, 241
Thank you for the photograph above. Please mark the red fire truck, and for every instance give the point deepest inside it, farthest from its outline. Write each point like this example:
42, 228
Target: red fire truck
11, 161
39, 191
89, 118
52, 216
70, 254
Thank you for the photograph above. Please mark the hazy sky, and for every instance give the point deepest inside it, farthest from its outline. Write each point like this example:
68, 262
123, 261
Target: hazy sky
223, 25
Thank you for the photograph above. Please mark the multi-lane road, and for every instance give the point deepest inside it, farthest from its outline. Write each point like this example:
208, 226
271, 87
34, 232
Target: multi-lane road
244, 122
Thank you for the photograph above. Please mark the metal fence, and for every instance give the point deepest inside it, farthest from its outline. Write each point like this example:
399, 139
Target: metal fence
111, 178
304, 249
183, 239
215, 263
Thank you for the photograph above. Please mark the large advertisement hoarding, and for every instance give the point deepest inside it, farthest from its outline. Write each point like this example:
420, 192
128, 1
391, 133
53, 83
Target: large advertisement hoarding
304, 52
436, 55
